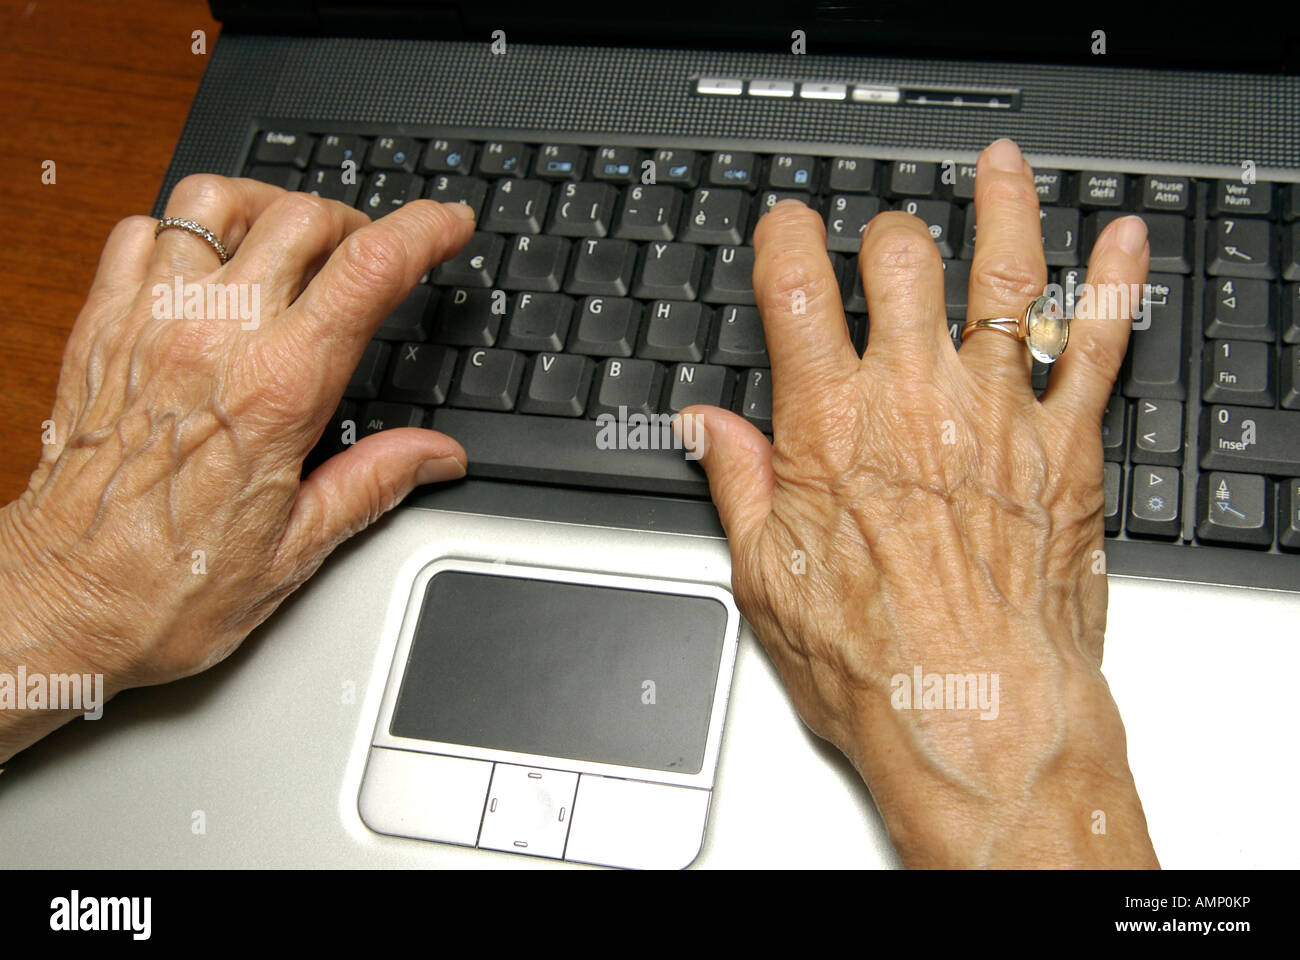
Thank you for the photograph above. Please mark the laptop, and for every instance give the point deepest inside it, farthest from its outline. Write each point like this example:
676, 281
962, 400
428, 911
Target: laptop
542, 665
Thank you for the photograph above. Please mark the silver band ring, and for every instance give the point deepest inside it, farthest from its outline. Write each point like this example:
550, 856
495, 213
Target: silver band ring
1044, 328
196, 228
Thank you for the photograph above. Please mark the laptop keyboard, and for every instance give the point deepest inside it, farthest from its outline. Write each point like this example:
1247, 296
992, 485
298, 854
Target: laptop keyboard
586, 291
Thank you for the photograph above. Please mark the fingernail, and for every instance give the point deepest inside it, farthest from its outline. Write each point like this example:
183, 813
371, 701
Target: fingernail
1132, 235
1005, 156
462, 210
439, 471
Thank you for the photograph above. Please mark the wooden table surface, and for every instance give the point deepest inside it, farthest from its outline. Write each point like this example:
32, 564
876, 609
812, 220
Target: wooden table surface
102, 89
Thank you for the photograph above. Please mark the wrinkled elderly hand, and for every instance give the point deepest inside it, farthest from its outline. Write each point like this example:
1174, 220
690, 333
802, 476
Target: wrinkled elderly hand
920, 511
167, 518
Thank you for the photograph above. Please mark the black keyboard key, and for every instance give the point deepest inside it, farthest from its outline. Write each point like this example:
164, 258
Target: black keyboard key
846, 217
1167, 233
691, 383
340, 432
1155, 365
453, 188
755, 403
1291, 313
1158, 432
393, 153
968, 234
517, 206
674, 330
476, 265
386, 191
606, 327
617, 165
733, 168
669, 271
535, 263
369, 372
1241, 248
382, 415
738, 340
1154, 500
537, 321
1288, 369
1238, 371
1234, 508
679, 168
560, 161
716, 216
1050, 185
280, 147
1239, 309
487, 380
730, 276
421, 373
770, 198
500, 158
851, 175
958, 181
1288, 514
942, 219
792, 171
911, 178
455, 157
332, 183
1291, 253
413, 317
1251, 440
1113, 423
583, 210
1061, 239
1069, 280
649, 213
1163, 194
1232, 198
1113, 486
956, 288
1097, 189
286, 178
627, 387
852, 292
335, 149
560, 450
467, 318
556, 385
602, 267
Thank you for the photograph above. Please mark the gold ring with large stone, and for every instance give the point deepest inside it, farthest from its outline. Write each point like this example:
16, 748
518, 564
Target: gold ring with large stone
1044, 328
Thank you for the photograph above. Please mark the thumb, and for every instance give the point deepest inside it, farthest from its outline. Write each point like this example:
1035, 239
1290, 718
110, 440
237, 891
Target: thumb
738, 461
353, 489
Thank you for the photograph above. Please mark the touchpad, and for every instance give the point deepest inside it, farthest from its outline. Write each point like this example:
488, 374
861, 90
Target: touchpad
559, 669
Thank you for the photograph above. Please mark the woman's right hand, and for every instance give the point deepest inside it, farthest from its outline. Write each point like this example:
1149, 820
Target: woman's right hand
919, 509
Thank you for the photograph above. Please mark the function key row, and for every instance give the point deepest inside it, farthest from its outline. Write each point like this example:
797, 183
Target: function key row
897, 179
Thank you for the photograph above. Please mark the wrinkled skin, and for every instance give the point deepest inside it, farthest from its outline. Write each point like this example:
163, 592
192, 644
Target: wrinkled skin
178, 435
918, 508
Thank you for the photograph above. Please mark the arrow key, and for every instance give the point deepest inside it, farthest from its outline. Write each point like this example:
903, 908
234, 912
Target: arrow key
1154, 501
1242, 248
1234, 508
1158, 432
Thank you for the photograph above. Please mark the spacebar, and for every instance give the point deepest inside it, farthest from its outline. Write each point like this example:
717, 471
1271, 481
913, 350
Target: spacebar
511, 446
